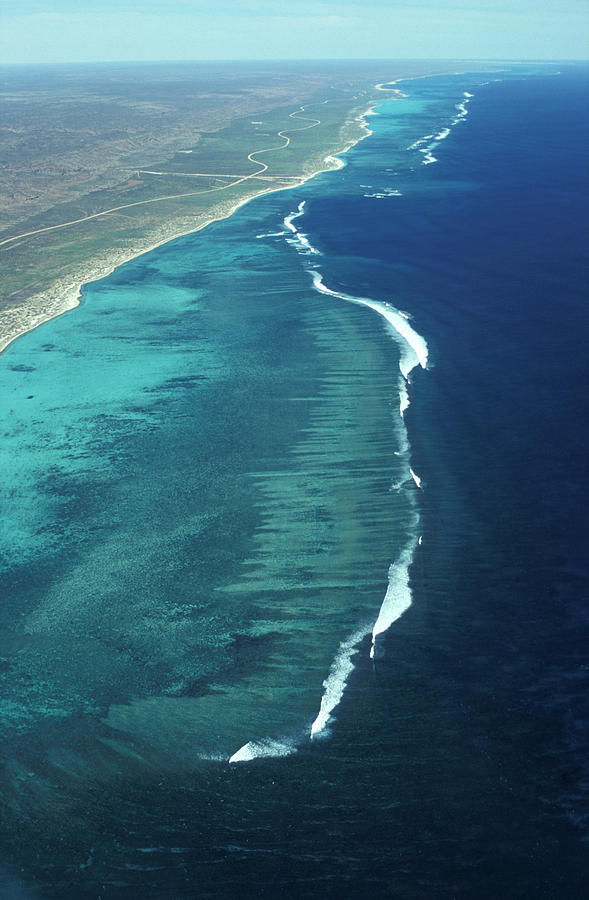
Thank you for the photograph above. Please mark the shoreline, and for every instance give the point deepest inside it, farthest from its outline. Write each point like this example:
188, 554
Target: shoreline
65, 295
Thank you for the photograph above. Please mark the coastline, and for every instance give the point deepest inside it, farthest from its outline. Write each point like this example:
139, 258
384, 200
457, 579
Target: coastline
66, 294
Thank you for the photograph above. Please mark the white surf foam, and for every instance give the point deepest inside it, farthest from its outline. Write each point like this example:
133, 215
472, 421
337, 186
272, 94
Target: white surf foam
434, 139
398, 597
264, 748
299, 240
335, 683
271, 234
419, 142
462, 108
415, 478
429, 157
300, 211
386, 192
414, 349
411, 477
303, 244
404, 401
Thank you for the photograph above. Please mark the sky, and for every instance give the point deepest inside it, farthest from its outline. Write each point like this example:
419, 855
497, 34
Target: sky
40, 31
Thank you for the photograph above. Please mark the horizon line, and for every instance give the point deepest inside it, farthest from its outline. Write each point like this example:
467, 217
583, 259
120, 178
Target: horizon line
282, 60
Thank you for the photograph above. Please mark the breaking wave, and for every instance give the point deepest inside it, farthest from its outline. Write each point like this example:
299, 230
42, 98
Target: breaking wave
299, 240
398, 597
425, 145
335, 683
264, 748
413, 347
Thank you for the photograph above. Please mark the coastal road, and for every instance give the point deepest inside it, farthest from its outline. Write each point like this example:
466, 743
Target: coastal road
238, 180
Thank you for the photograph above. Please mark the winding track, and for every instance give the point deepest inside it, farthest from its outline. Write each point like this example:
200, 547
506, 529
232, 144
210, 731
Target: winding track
239, 180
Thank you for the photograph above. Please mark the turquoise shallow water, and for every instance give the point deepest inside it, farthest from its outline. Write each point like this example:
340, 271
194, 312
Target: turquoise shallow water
199, 460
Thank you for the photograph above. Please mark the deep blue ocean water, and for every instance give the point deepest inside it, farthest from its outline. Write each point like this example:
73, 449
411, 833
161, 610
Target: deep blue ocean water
207, 477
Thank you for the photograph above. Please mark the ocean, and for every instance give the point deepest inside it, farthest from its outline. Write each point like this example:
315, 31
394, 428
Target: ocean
294, 532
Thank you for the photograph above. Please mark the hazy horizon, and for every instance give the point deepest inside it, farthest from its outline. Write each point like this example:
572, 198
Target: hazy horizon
302, 60
40, 31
